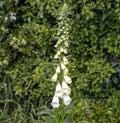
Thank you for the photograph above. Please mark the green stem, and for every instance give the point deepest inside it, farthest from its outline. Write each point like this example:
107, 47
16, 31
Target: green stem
58, 119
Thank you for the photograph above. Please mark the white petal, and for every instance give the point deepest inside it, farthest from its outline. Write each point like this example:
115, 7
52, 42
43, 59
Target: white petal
65, 71
66, 99
61, 49
68, 79
65, 61
66, 44
55, 102
65, 88
56, 56
54, 77
58, 91
63, 67
65, 51
58, 52
58, 69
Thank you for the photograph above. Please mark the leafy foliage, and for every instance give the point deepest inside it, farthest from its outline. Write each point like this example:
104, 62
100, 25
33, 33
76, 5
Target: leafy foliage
27, 38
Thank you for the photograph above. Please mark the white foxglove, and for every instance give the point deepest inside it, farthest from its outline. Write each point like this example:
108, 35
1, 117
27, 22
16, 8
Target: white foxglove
58, 69
65, 51
58, 91
63, 67
55, 102
54, 77
62, 36
66, 99
65, 61
67, 79
56, 56
65, 88
65, 71
58, 53
66, 44
62, 49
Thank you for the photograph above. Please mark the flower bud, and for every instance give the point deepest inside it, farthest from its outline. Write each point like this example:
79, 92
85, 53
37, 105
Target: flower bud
61, 49
66, 44
58, 69
62, 36
56, 56
58, 53
63, 67
65, 61
65, 51
54, 77
65, 71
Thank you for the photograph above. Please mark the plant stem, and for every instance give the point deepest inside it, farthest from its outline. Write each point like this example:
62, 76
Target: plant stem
58, 119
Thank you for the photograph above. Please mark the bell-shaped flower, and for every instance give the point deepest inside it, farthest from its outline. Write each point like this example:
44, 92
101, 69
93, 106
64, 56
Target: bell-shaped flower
57, 55
65, 60
63, 36
66, 44
58, 52
58, 91
67, 79
66, 99
65, 51
55, 102
65, 71
65, 88
62, 49
58, 69
54, 77
63, 67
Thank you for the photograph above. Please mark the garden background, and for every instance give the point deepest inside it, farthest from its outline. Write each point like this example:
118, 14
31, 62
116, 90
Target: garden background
27, 38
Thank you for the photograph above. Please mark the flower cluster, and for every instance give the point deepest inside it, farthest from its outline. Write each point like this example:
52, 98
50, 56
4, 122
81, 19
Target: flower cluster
61, 75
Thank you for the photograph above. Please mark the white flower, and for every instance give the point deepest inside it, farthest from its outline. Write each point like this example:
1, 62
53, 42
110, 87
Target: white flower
57, 55
60, 41
65, 60
58, 69
63, 67
55, 102
65, 51
6, 19
66, 44
56, 45
65, 71
65, 88
54, 77
58, 91
66, 99
62, 36
58, 33
67, 79
13, 16
62, 49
